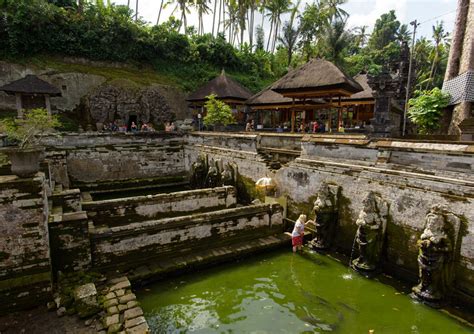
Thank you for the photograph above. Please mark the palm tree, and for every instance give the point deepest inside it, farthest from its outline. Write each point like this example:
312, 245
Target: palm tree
403, 34
159, 11
337, 39
313, 21
333, 9
214, 17
202, 8
182, 5
289, 39
361, 36
136, 11
276, 9
439, 35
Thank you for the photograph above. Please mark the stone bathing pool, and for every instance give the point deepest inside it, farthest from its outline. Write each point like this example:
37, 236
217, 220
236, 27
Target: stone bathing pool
279, 292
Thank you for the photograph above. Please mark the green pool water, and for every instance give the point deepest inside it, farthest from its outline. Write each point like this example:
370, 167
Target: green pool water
280, 292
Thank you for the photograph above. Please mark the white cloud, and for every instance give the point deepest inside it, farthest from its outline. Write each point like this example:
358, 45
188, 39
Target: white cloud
367, 12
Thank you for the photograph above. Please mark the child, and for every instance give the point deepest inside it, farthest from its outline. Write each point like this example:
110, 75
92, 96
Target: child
298, 233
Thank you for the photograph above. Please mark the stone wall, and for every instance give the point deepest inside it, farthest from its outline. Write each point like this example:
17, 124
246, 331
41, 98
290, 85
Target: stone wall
410, 175
91, 159
138, 243
25, 270
123, 211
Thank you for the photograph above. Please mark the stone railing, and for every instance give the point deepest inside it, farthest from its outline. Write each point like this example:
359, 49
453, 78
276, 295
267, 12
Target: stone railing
129, 245
122, 211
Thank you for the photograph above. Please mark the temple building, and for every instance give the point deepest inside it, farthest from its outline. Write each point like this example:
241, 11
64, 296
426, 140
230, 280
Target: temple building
318, 78
227, 90
31, 92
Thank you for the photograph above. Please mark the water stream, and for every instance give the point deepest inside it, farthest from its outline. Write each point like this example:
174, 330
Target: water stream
280, 292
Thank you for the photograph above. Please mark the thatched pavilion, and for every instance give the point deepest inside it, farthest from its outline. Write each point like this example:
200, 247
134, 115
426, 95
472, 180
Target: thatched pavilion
227, 90
318, 78
31, 92
278, 108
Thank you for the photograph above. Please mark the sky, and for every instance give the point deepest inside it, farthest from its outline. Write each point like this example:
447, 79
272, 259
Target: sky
362, 12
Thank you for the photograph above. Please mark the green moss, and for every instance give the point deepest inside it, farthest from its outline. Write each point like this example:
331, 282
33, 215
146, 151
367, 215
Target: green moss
24, 280
295, 209
143, 76
246, 190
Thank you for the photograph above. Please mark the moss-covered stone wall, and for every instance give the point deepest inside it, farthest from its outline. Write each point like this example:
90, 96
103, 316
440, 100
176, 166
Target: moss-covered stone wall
25, 270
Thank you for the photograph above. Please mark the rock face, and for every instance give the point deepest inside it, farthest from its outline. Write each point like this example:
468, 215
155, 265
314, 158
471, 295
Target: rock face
119, 101
93, 99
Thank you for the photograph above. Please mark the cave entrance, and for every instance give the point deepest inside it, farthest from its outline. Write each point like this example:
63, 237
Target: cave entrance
131, 118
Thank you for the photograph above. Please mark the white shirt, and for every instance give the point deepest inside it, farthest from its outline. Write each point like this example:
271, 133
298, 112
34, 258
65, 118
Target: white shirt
298, 230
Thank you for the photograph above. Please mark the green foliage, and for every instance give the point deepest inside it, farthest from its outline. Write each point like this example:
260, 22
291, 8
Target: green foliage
218, 113
25, 130
426, 109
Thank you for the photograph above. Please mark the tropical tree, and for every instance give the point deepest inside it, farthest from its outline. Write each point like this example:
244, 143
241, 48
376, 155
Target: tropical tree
313, 21
361, 36
290, 34
202, 8
183, 6
439, 36
218, 112
336, 41
159, 11
333, 9
276, 9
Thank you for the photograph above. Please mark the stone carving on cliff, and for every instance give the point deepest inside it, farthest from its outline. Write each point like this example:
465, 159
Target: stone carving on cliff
210, 174
372, 224
326, 216
199, 172
118, 102
436, 255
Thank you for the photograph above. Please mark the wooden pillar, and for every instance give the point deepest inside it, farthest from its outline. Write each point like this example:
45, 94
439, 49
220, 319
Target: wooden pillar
48, 104
329, 115
339, 114
293, 116
19, 106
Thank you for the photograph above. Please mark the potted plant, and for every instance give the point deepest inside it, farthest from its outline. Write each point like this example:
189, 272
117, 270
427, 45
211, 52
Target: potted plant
219, 114
24, 132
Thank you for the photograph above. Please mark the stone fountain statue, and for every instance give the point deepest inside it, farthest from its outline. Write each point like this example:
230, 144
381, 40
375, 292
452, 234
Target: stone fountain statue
229, 175
436, 255
372, 223
213, 177
326, 215
199, 172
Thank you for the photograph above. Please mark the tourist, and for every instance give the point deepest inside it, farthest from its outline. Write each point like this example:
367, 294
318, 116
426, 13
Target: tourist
298, 233
315, 126
133, 127
279, 129
248, 126
170, 127
144, 127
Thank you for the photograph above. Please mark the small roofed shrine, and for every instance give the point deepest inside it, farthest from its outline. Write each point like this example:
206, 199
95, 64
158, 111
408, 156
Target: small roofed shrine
271, 109
227, 90
318, 78
31, 92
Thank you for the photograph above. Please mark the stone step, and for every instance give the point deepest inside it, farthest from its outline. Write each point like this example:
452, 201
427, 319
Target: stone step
160, 268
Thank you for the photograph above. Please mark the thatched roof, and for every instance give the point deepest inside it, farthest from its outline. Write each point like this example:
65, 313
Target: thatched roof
318, 77
222, 86
366, 94
31, 84
268, 97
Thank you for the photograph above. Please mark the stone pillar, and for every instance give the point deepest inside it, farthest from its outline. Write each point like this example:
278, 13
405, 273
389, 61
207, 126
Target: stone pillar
25, 269
385, 123
19, 106
48, 104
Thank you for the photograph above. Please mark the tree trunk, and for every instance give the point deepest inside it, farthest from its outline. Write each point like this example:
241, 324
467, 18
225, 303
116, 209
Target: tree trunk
159, 12
270, 35
452, 68
136, 11
219, 19
214, 17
